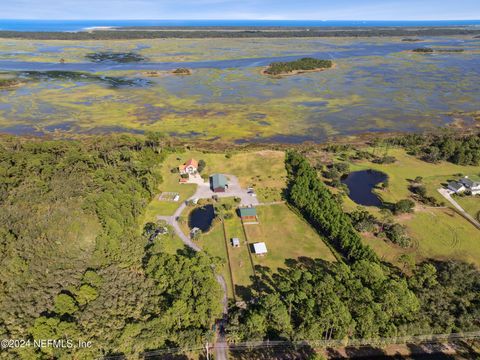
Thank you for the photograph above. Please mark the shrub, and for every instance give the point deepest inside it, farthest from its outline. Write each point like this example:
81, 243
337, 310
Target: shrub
403, 206
201, 165
397, 234
385, 160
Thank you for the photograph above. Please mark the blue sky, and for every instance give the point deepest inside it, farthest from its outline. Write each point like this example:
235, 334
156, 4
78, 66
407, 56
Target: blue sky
242, 9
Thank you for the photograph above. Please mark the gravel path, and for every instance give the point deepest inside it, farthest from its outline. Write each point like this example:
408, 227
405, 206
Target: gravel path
446, 194
204, 192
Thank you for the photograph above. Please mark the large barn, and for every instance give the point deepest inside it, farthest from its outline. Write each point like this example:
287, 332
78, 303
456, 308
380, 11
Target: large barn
218, 183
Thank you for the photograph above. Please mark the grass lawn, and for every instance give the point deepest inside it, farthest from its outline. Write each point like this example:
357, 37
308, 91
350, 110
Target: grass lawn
239, 259
439, 233
286, 235
471, 204
169, 243
408, 167
213, 243
264, 170
443, 234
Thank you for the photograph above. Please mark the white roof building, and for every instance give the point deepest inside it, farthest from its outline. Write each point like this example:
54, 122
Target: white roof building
260, 248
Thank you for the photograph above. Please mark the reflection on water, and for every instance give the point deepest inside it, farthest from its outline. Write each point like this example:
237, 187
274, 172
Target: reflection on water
202, 218
361, 185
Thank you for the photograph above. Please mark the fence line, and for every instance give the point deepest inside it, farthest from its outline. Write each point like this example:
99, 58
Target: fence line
425, 339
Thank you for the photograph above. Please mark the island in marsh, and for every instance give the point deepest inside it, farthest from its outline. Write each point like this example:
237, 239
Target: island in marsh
297, 67
9, 83
114, 82
118, 57
158, 73
426, 50
182, 71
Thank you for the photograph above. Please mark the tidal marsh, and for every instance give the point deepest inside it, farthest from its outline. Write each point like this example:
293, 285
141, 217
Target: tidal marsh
375, 86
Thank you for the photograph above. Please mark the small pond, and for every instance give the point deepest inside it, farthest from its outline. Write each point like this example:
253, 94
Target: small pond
361, 185
202, 218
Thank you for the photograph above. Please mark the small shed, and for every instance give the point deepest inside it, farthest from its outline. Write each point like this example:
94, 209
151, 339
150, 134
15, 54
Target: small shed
195, 232
176, 198
260, 248
163, 230
235, 242
218, 183
248, 214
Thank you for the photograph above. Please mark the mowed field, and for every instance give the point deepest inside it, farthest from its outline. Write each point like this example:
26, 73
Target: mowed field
438, 233
264, 170
286, 235
471, 204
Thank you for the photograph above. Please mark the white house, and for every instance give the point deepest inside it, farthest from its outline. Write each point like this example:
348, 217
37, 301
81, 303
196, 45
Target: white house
472, 186
190, 167
456, 187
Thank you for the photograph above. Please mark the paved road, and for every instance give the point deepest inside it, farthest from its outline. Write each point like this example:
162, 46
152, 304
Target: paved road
234, 190
221, 346
446, 194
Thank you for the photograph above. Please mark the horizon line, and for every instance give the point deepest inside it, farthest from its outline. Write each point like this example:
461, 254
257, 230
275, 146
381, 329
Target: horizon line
227, 19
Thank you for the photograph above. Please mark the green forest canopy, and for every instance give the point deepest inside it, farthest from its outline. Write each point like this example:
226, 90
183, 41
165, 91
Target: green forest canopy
317, 300
74, 264
304, 64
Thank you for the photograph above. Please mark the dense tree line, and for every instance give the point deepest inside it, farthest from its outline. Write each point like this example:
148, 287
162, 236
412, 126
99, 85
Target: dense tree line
462, 150
304, 64
212, 32
315, 300
449, 293
74, 263
320, 207
311, 299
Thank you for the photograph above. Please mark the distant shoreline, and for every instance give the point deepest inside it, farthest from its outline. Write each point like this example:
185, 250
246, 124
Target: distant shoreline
126, 33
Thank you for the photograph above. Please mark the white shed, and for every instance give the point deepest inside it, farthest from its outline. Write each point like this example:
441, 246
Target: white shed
235, 242
260, 248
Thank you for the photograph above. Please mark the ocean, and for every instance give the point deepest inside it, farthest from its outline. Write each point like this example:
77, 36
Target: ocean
81, 25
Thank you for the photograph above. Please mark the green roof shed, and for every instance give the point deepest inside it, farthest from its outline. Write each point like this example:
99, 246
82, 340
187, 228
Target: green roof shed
218, 182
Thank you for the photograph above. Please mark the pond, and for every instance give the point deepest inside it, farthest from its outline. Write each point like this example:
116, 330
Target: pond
202, 218
361, 185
